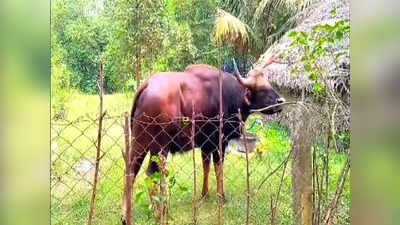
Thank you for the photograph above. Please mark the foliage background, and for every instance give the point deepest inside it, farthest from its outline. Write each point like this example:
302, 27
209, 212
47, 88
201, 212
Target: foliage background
138, 38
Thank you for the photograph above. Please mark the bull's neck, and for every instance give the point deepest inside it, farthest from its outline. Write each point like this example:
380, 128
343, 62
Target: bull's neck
244, 108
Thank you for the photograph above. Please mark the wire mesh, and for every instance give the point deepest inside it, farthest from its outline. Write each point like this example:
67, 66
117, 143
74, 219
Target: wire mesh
73, 151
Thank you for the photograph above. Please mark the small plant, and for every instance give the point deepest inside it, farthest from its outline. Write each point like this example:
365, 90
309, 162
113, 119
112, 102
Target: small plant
343, 140
151, 182
317, 45
131, 85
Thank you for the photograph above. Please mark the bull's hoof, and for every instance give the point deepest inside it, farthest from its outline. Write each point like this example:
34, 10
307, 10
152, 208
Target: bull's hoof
204, 196
221, 197
123, 221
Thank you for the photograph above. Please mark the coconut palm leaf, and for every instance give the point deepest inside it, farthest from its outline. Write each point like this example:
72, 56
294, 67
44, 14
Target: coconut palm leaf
229, 28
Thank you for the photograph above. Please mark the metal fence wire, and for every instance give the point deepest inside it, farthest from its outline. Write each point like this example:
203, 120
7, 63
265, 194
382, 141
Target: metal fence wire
73, 153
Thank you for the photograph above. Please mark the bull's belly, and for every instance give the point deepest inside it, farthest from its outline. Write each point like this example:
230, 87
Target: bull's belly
180, 144
207, 144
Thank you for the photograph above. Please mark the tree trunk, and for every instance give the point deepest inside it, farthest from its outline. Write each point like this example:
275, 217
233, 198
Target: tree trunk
302, 170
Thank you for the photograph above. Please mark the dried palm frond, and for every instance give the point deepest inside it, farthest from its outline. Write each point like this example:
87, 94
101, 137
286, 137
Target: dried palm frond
228, 27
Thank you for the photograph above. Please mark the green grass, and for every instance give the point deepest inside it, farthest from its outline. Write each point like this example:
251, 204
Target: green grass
76, 142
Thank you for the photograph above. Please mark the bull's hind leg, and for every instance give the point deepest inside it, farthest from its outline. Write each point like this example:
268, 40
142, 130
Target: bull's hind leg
206, 172
137, 161
219, 173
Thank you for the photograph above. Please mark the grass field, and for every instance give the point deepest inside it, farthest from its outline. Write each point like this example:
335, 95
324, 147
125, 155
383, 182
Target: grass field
73, 151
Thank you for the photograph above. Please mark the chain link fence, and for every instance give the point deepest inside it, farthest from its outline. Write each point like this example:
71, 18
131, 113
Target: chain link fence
257, 185
73, 153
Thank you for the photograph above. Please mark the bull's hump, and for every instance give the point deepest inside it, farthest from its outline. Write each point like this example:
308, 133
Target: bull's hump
200, 66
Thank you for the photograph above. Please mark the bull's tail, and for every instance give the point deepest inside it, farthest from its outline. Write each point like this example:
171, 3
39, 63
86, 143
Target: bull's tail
135, 100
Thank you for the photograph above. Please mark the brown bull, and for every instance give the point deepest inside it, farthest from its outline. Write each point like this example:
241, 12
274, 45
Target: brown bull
170, 95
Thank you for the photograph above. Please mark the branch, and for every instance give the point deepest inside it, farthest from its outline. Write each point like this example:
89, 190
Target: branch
284, 162
340, 186
275, 105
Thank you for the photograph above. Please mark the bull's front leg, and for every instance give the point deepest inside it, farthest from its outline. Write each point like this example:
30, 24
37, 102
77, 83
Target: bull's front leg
219, 172
206, 172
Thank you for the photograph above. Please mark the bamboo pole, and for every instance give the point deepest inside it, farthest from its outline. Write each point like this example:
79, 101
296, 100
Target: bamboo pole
100, 81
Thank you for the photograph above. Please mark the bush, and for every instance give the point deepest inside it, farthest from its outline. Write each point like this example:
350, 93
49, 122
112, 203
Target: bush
60, 89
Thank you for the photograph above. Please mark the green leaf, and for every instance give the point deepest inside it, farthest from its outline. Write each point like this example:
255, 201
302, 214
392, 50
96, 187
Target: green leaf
139, 197
156, 176
318, 87
339, 35
155, 159
148, 182
333, 12
292, 34
183, 188
303, 35
316, 28
313, 77
328, 28
307, 67
320, 52
294, 43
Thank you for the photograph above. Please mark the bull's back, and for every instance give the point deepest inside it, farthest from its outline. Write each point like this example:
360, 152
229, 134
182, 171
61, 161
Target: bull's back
157, 97
176, 93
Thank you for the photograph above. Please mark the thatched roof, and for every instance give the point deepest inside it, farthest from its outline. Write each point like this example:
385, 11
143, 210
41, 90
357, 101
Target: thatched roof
316, 14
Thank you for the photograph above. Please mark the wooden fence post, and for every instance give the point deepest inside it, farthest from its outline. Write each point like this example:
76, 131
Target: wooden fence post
128, 177
163, 190
220, 169
100, 82
195, 199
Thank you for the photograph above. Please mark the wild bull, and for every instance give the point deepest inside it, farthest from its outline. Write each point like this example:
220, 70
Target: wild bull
171, 95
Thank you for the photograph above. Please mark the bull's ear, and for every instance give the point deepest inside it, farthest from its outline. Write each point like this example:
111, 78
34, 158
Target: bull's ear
247, 96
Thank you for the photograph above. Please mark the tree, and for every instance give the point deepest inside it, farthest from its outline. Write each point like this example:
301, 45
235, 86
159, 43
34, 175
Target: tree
301, 169
267, 20
139, 31
80, 30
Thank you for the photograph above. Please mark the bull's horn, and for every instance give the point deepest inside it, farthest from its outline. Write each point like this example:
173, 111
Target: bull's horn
236, 71
246, 82
269, 61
